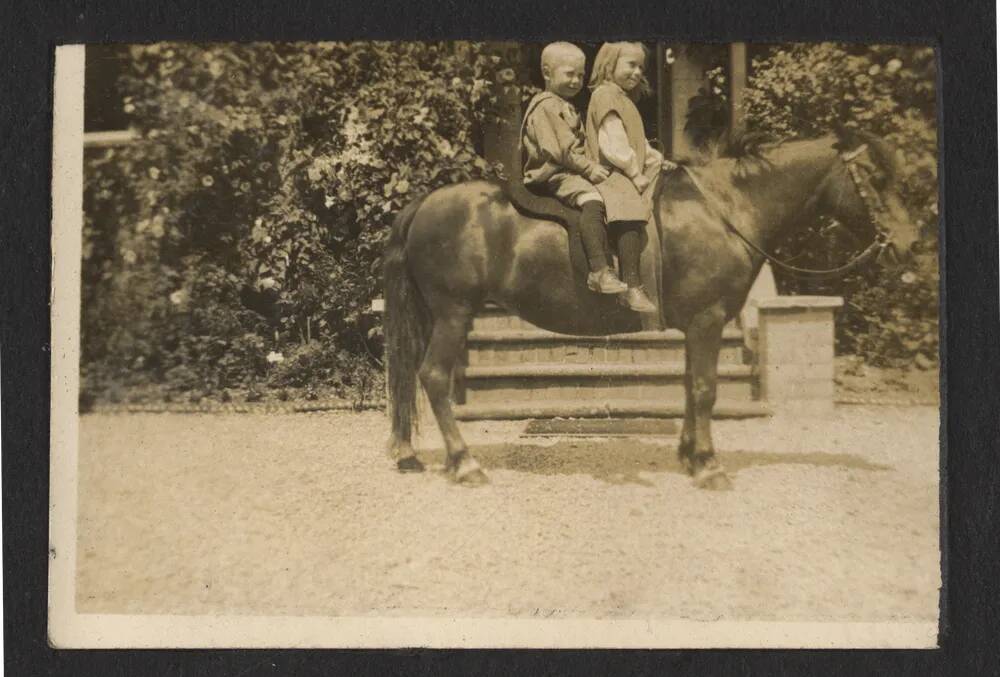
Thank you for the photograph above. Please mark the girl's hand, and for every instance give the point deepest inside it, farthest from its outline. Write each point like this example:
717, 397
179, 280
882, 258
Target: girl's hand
669, 165
641, 182
598, 174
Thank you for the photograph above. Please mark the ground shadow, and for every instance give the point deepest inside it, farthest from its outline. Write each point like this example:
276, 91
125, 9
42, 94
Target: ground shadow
621, 460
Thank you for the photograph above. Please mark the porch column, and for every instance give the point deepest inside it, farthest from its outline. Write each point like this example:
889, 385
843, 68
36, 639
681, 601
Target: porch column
686, 76
737, 83
500, 140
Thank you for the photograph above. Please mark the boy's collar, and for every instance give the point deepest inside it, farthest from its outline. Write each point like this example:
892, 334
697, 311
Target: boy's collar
544, 94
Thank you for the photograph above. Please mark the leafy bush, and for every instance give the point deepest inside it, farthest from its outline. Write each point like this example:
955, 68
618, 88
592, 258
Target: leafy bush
251, 213
321, 363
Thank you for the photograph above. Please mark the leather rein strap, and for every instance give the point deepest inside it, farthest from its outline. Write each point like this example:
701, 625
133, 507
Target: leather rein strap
873, 250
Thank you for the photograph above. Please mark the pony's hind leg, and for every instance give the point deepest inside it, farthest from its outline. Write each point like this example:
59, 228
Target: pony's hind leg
401, 449
436, 373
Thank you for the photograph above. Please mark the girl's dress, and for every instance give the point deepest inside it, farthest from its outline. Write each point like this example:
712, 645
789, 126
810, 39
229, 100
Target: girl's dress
616, 138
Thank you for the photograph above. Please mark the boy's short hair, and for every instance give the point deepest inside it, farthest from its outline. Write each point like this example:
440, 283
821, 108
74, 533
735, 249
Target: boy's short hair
555, 50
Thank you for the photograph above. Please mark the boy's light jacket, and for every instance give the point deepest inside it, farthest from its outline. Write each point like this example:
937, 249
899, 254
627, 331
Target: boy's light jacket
553, 140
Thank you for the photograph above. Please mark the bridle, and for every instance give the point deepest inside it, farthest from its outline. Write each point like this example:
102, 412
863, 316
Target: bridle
874, 208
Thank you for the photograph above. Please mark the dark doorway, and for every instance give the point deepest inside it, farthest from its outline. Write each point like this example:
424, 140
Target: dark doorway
103, 101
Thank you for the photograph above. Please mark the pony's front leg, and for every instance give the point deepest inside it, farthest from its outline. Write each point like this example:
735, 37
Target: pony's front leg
685, 449
436, 373
703, 342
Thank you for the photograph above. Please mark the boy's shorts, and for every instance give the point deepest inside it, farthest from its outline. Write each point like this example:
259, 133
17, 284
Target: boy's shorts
572, 189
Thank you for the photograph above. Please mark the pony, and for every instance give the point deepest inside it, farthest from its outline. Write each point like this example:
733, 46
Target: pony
465, 244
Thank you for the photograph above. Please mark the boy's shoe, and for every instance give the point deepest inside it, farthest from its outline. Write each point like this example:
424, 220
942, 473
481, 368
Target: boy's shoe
636, 299
605, 282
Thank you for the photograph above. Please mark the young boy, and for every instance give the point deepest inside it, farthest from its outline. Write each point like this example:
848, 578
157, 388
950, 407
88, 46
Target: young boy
555, 158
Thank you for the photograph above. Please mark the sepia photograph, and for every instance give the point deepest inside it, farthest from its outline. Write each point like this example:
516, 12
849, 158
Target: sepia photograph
625, 344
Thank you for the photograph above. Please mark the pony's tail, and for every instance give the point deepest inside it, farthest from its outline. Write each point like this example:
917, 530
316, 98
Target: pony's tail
406, 325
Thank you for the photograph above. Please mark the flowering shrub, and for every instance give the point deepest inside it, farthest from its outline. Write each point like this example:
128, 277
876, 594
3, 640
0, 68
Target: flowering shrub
251, 213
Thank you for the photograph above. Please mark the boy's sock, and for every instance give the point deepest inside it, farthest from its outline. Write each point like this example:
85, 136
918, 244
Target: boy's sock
592, 233
629, 249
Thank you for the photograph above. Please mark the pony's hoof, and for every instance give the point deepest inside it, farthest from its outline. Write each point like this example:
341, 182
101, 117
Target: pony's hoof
713, 479
473, 478
468, 472
409, 464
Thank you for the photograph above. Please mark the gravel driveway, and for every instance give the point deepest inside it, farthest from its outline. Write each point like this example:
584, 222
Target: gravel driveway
830, 519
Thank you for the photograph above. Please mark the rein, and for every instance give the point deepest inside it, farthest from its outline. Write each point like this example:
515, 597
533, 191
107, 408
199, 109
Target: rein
873, 250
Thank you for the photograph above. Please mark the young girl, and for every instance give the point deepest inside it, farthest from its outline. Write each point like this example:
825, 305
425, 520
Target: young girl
617, 139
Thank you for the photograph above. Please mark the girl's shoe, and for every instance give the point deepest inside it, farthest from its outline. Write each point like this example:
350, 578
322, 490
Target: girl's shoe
605, 281
636, 299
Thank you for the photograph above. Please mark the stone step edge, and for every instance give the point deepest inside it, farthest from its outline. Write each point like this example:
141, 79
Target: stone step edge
594, 370
477, 336
306, 407
606, 409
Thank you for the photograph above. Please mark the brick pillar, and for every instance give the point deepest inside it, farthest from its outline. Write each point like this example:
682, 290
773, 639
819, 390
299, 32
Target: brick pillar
795, 351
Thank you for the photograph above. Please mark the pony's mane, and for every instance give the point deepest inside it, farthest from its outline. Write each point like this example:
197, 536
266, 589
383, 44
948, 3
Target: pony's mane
739, 145
750, 149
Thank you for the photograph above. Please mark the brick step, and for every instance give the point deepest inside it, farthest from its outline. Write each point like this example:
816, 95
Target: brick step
523, 346
595, 381
573, 408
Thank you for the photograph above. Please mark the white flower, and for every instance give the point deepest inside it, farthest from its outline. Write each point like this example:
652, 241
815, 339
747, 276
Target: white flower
154, 173
129, 256
268, 283
875, 69
178, 297
274, 358
281, 120
207, 181
329, 201
893, 65
129, 108
908, 277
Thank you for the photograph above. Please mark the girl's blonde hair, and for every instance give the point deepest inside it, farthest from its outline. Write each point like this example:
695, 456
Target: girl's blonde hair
607, 59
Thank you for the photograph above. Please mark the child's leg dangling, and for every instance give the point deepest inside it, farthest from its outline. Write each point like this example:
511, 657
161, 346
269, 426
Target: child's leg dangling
629, 251
601, 278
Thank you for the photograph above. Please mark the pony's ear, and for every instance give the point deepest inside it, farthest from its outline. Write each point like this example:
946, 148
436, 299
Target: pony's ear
847, 137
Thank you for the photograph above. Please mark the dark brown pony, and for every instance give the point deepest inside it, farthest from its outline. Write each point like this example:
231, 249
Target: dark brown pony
466, 244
